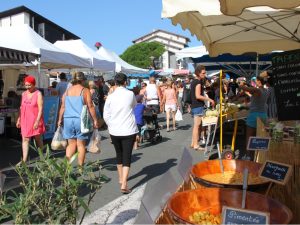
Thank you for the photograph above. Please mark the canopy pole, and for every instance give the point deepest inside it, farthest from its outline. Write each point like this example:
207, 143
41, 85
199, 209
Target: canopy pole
256, 64
39, 72
221, 114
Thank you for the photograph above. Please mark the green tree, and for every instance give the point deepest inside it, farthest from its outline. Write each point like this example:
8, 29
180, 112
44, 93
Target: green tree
140, 54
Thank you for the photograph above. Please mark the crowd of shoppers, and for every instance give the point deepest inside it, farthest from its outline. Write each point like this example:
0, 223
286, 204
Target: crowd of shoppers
123, 110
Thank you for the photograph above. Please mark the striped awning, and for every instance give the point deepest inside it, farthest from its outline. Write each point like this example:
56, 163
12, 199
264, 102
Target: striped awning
11, 56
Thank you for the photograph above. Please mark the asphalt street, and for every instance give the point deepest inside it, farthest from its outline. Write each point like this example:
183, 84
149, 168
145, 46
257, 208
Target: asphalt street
149, 163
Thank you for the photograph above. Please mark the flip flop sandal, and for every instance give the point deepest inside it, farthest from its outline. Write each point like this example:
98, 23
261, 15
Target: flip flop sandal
199, 148
125, 191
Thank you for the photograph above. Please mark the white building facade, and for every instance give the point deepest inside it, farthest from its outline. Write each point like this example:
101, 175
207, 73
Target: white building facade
172, 42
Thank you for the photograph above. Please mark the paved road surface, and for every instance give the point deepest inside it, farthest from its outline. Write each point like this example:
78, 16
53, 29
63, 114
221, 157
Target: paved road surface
149, 162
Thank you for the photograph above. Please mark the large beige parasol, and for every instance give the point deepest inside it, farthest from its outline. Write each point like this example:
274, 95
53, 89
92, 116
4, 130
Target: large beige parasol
235, 7
259, 29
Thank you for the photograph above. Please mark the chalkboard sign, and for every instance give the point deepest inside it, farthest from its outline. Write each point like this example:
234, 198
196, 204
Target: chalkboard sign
258, 143
276, 172
242, 216
286, 71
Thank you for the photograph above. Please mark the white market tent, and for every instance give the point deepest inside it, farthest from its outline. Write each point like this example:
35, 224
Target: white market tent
191, 52
23, 38
79, 48
121, 65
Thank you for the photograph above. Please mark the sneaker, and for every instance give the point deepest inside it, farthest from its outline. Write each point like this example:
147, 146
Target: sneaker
203, 142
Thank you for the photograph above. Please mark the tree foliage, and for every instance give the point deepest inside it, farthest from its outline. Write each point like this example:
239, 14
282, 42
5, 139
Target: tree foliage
139, 54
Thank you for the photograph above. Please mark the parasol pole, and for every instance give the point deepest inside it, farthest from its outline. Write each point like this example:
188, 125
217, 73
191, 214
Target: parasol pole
257, 56
221, 114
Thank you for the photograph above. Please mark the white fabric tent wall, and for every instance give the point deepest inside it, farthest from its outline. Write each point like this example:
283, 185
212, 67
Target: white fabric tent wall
191, 52
121, 65
79, 48
23, 38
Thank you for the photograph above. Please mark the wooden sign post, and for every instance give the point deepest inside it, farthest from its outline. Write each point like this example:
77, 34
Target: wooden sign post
242, 216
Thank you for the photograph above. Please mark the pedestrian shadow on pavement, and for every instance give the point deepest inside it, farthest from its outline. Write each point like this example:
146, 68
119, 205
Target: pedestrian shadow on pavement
111, 163
152, 171
185, 127
147, 144
124, 216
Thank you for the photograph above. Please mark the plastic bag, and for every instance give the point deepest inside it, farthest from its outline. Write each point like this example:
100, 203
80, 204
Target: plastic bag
94, 145
58, 141
178, 115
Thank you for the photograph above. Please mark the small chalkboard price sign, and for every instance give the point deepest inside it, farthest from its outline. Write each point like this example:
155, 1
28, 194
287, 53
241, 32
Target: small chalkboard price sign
244, 216
276, 172
258, 143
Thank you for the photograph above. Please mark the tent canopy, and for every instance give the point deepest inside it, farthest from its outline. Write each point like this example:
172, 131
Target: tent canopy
79, 48
121, 65
259, 29
23, 38
235, 7
13, 56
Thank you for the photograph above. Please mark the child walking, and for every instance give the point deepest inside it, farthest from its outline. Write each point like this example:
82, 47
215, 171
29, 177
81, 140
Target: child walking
138, 112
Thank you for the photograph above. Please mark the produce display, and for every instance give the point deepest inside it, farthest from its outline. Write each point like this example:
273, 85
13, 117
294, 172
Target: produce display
232, 177
228, 108
205, 217
278, 131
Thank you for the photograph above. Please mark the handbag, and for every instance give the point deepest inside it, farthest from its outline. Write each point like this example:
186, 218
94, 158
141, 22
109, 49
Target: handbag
86, 122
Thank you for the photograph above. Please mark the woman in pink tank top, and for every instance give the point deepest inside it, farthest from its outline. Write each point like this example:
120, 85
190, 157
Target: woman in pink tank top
170, 101
31, 119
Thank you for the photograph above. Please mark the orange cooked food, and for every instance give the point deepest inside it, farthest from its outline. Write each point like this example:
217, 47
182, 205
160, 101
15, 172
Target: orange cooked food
232, 177
205, 217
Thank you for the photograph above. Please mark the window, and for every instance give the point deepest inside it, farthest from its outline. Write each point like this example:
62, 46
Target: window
41, 29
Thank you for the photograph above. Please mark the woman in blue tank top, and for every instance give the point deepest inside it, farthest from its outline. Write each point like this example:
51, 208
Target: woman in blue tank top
70, 113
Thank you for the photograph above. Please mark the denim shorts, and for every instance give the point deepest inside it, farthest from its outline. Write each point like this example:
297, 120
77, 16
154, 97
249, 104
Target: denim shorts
252, 116
199, 111
72, 129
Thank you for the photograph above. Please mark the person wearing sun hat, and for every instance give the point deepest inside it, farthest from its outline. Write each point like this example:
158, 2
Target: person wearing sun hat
31, 119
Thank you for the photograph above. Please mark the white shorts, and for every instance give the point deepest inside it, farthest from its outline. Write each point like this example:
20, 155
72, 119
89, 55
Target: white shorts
170, 107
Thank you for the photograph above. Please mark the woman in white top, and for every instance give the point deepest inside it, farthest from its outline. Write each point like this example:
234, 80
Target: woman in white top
180, 95
153, 95
119, 117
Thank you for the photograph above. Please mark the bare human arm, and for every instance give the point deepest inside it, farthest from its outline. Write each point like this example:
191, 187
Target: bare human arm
201, 97
40, 104
61, 110
252, 90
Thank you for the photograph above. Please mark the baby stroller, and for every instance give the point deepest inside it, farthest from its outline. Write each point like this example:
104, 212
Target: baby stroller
150, 131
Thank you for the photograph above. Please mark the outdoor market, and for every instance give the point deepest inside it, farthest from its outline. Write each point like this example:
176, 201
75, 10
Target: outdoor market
241, 101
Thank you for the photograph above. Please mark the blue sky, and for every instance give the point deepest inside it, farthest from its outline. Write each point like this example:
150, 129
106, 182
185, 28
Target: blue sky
114, 23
